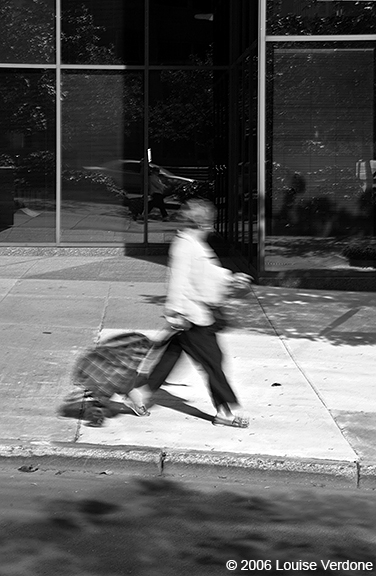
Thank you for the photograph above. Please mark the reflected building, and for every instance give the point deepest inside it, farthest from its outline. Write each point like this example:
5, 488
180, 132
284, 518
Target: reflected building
266, 107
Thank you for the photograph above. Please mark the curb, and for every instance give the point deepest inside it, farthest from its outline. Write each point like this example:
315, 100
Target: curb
170, 462
307, 469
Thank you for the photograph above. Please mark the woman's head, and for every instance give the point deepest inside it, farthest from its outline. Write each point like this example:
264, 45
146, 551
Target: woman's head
199, 214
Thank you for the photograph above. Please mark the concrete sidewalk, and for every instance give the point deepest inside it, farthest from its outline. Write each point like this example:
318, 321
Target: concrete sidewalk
302, 363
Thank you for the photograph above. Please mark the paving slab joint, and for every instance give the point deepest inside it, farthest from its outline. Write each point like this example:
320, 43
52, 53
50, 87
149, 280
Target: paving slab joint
358, 471
161, 462
367, 475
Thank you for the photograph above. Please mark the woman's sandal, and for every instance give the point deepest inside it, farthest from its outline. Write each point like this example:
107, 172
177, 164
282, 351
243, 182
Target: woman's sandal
140, 410
234, 421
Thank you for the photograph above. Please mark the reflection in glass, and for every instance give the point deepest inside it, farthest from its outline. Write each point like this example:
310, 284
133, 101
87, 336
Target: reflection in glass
27, 156
181, 135
96, 32
246, 180
320, 152
245, 24
221, 129
27, 31
304, 17
102, 147
181, 32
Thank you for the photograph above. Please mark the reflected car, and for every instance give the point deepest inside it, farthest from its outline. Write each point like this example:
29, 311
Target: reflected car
127, 175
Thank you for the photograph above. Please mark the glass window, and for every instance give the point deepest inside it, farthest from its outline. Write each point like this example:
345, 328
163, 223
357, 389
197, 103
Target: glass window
27, 31
181, 136
320, 17
96, 32
102, 143
27, 156
321, 153
181, 32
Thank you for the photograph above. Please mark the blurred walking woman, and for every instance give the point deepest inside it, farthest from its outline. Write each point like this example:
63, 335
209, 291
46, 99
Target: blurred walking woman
197, 283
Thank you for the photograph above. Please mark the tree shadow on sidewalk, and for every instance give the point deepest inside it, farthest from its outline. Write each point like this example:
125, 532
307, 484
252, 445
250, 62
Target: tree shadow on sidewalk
338, 317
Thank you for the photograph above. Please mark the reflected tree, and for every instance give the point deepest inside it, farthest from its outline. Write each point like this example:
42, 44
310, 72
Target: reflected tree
28, 98
322, 125
27, 31
311, 17
80, 39
184, 112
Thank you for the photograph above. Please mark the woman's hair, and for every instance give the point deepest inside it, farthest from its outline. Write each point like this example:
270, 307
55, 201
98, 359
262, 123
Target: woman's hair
198, 211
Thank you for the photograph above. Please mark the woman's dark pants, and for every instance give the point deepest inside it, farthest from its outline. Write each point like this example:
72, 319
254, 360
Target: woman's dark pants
199, 342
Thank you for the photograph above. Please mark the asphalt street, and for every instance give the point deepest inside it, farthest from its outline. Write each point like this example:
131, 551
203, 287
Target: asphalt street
104, 521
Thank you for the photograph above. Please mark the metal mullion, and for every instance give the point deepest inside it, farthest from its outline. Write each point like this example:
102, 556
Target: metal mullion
261, 137
99, 67
326, 38
25, 66
175, 67
146, 123
70, 66
58, 123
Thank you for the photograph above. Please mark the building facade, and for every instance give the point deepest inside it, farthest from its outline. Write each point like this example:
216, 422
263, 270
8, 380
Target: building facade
265, 106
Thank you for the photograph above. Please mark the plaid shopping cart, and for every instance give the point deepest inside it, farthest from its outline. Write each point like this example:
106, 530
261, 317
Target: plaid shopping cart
111, 367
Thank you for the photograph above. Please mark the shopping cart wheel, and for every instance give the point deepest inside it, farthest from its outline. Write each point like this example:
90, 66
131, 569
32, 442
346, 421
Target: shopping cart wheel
95, 417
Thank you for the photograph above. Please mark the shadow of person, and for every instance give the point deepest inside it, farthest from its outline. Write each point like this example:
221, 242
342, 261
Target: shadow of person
168, 400
154, 299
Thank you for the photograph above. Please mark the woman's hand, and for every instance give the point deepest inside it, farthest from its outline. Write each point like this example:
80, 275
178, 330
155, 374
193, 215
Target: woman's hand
241, 280
240, 285
176, 320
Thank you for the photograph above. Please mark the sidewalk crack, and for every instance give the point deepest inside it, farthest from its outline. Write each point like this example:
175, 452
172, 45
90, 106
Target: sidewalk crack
284, 341
104, 312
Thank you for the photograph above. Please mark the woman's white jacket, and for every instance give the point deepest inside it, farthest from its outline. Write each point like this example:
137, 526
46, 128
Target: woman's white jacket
197, 281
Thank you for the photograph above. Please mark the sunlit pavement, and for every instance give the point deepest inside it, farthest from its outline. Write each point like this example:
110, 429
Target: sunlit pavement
302, 363
84, 222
